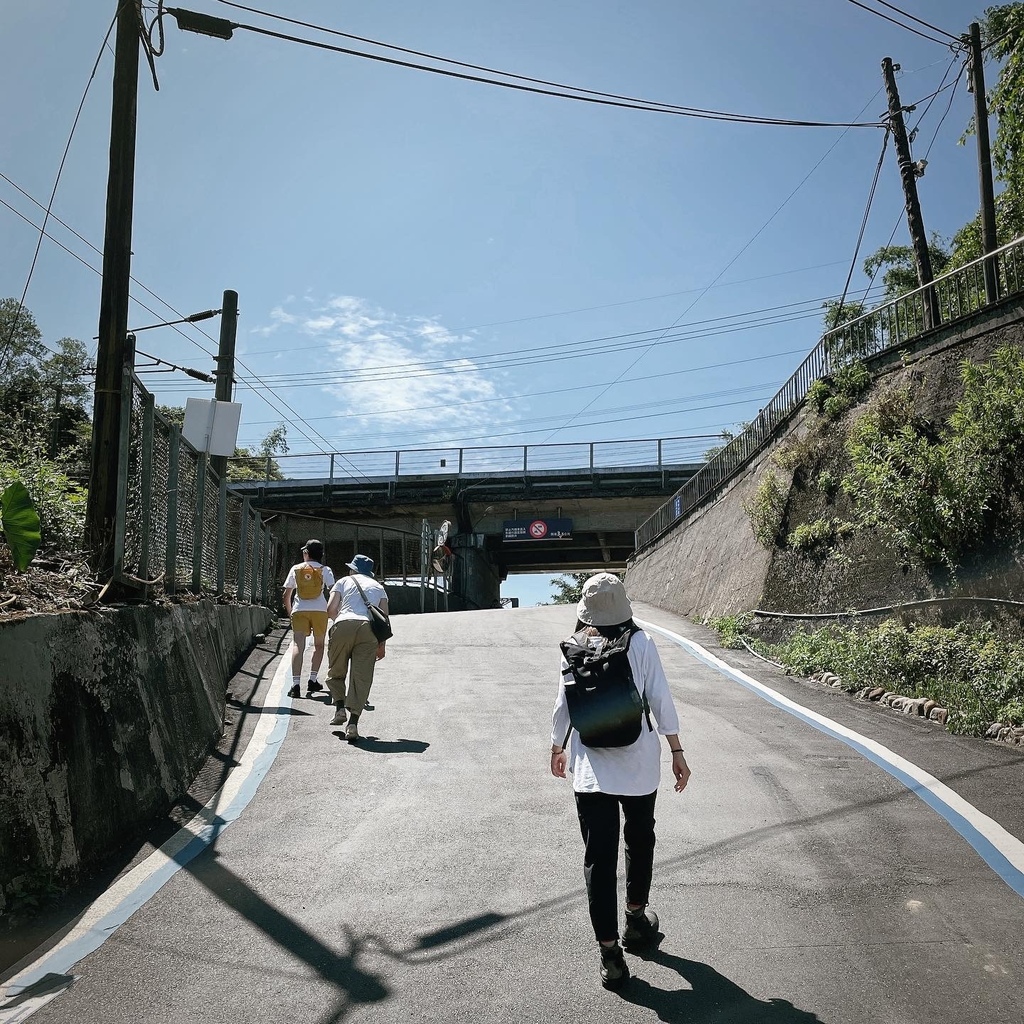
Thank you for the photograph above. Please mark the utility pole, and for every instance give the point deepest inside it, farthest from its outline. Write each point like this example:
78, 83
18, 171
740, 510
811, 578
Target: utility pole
989, 241
225, 372
908, 173
112, 348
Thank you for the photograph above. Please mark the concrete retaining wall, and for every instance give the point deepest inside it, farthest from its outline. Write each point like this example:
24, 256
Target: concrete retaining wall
711, 564
105, 717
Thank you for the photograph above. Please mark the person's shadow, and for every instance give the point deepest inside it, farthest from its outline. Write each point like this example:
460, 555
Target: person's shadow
711, 999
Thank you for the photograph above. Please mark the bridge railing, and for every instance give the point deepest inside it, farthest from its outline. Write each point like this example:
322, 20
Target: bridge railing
375, 465
947, 299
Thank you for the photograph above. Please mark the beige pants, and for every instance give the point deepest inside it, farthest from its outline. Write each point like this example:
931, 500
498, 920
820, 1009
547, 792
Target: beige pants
351, 641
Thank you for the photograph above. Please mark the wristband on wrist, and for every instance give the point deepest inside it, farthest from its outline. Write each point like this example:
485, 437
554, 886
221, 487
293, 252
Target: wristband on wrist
676, 750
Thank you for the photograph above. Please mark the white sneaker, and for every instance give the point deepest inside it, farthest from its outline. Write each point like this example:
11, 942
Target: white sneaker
351, 733
339, 715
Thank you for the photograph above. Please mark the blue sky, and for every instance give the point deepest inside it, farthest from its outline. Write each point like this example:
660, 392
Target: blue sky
376, 216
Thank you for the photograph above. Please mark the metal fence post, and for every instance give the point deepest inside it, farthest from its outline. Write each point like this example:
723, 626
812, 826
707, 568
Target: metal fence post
171, 558
124, 440
146, 489
268, 569
222, 534
257, 559
198, 517
243, 545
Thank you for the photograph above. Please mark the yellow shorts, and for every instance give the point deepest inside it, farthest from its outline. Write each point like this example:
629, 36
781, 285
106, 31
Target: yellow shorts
304, 623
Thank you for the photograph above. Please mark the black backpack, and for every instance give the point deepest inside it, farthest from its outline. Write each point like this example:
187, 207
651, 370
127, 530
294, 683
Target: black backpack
604, 705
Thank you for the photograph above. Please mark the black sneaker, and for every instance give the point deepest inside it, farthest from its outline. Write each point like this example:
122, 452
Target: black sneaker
641, 929
313, 686
614, 969
295, 691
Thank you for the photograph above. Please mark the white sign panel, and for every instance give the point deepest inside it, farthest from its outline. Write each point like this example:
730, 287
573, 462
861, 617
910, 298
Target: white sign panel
212, 426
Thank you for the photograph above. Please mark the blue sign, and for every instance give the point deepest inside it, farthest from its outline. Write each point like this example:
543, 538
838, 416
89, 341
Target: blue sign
537, 529
677, 506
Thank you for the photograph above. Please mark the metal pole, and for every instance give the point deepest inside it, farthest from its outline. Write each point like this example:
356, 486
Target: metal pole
146, 495
171, 558
101, 508
199, 522
225, 372
222, 534
243, 546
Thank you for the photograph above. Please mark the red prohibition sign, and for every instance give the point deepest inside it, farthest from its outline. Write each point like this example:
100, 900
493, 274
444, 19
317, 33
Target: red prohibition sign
538, 529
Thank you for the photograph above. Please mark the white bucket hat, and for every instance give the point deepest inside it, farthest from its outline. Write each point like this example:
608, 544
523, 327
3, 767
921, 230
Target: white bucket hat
604, 601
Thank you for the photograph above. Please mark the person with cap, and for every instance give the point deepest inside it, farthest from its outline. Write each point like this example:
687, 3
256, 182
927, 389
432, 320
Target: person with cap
352, 646
306, 606
607, 778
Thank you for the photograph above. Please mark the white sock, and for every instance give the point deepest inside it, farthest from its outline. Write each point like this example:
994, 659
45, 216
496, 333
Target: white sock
312, 677
295, 680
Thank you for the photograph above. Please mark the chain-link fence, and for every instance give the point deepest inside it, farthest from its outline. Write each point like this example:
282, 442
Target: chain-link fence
178, 527
951, 297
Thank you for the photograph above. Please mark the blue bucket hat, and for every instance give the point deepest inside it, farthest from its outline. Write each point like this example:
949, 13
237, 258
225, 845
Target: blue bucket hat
361, 564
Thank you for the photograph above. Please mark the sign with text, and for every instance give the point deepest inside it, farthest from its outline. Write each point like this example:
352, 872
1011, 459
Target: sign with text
537, 529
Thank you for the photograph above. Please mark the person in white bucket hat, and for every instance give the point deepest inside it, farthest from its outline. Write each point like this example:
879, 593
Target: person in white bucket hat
607, 778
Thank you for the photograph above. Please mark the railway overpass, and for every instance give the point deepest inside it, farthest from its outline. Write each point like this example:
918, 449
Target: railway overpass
512, 508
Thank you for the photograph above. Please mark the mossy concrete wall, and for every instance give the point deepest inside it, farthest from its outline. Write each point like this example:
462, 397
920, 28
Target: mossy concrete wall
105, 717
711, 563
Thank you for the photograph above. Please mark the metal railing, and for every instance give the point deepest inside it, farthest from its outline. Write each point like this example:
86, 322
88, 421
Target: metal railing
583, 456
949, 298
178, 527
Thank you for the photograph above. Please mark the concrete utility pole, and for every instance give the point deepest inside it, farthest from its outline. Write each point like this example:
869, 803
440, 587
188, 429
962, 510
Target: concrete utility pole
989, 242
225, 372
908, 173
111, 348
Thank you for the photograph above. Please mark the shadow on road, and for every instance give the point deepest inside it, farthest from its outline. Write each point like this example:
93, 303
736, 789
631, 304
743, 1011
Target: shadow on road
711, 999
376, 746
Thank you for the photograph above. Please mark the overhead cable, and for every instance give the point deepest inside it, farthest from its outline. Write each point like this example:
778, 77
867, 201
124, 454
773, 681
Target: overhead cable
560, 91
909, 28
56, 181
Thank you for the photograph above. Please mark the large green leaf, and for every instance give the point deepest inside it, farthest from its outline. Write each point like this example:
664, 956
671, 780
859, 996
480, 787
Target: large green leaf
20, 523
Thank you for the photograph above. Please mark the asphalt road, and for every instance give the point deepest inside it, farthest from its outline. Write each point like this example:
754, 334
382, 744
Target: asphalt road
433, 871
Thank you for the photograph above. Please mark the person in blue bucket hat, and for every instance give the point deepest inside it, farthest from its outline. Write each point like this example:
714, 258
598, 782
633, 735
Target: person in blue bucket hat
352, 649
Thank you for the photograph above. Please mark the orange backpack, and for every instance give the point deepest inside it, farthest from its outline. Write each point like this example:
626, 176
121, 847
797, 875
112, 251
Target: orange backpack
309, 582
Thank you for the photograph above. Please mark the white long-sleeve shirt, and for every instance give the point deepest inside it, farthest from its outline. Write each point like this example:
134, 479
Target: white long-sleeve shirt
624, 771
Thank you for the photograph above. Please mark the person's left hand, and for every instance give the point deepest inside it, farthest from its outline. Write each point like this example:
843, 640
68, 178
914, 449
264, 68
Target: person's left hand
380, 651
681, 770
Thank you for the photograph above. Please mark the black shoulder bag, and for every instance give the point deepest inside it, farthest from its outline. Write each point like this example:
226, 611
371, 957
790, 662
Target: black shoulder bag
379, 622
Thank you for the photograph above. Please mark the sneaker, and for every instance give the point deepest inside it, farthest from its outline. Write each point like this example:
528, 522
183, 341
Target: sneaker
641, 929
351, 732
614, 970
295, 691
339, 715
368, 706
313, 686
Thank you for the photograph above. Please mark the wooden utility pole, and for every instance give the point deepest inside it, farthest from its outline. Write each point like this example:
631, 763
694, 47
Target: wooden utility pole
111, 348
989, 241
908, 173
225, 372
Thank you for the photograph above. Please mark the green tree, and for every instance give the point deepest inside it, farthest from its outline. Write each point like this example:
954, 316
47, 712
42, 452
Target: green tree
569, 587
844, 342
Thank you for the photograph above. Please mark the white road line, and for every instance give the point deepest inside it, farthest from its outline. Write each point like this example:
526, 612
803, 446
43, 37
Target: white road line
1002, 852
50, 973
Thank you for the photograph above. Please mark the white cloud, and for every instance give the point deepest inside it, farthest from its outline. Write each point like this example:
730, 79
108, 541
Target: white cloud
406, 393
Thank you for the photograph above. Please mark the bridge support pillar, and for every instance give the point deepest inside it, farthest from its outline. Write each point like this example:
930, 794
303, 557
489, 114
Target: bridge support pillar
476, 579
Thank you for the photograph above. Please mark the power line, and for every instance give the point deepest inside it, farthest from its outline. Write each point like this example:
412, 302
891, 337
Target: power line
283, 409
556, 391
926, 24
56, 182
521, 356
909, 28
578, 94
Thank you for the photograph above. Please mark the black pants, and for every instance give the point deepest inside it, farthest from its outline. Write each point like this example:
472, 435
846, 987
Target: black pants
599, 823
